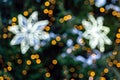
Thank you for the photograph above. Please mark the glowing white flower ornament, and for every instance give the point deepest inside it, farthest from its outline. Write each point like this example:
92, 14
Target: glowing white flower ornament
96, 32
29, 32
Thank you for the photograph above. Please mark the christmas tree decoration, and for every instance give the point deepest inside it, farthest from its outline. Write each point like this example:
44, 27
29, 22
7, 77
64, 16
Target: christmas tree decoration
29, 32
96, 32
60, 42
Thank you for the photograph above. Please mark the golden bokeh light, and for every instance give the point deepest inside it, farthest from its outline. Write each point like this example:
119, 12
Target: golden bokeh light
102, 78
45, 11
33, 56
1, 78
37, 56
72, 69
28, 62
118, 35
61, 20
47, 74
110, 64
115, 61
92, 73
24, 72
47, 3
9, 68
5, 36
106, 70
117, 41
58, 38
53, 42
54, 61
50, 12
81, 76
14, 19
47, 28
25, 13
118, 65
13, 24
38, 61
114, 13
102, 9
19, 61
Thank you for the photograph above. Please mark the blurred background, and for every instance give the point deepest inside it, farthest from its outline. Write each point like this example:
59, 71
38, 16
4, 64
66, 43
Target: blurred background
66, 55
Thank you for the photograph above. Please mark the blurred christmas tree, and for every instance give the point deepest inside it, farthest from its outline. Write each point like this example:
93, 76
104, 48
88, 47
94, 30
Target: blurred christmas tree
83, 43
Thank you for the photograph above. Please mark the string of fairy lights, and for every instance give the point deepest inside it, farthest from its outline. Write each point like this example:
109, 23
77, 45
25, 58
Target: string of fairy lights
49, 10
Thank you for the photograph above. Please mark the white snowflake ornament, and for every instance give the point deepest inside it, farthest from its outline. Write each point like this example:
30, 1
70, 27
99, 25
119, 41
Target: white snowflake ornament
96, 32
29, 32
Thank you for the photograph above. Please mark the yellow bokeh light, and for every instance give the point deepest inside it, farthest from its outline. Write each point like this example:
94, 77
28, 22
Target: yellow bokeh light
47, 28
33, 56
118, 14
4, 36
115, 62
77, 46
14, 19
69, 16
58, 38
8, 27
117, 41
114, 53
28, 62
54, 61
38, 61
25, 13
37, 56
1, 78
13, 24
61, 20
72, 69
106, 70
47, 3
53, 42
118, 65
24, 72
80, 75
102, 78
19, 61
102, 9
114, 13
92, 73
118, 35
65, 18
45, 11
50, 12
119, 30
9, 68
47, 74
110, 64
9, 63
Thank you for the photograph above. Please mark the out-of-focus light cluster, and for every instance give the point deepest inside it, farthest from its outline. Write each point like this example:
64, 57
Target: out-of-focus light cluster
112, 61
36, 57
49, 10
65, 18
116, 14
118, 37
79, 27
